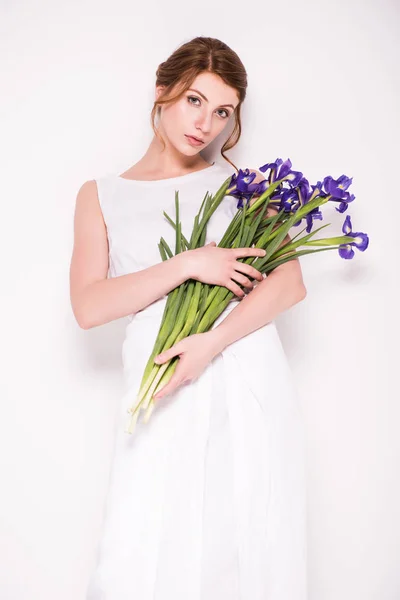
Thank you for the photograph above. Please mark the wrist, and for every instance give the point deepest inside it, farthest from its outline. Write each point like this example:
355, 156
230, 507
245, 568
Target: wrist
184, 265
217, 339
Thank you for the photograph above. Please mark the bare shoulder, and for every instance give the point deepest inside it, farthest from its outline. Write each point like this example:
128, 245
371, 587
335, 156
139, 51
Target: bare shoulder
88, 191
259, 176
138, 171
87, 202
133, 172
88, 218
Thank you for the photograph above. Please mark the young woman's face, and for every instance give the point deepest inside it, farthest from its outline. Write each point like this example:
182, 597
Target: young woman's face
203, 111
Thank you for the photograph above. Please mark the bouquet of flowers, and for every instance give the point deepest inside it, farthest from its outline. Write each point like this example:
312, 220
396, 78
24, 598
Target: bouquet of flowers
194, 306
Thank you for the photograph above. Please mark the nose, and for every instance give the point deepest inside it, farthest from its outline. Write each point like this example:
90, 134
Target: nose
203, 123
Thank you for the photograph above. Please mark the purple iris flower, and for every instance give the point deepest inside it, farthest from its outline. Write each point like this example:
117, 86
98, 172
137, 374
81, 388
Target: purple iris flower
241, 186
296, 195
306, 192
361, 240
282, 170
337, 188
315, 213
294, 198
290, 201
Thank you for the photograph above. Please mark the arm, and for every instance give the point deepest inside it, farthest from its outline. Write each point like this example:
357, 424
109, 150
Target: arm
95, 299
276, 293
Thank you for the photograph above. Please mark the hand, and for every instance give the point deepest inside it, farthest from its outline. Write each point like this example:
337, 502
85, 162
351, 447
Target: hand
195, 352
219, 266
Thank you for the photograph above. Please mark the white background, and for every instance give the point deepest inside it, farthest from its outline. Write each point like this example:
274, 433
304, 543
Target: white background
77, 90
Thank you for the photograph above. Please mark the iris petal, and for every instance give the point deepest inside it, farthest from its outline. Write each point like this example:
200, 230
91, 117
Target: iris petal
361, 240
343, 206
346, 251
347, 226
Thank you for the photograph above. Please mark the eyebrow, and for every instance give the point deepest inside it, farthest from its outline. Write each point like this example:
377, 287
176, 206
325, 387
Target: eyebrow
203, 96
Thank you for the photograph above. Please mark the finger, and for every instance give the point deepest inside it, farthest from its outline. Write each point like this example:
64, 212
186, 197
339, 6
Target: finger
168, 354
167, 389
240, 252
235, 289
249, 270
162, 392
241, 279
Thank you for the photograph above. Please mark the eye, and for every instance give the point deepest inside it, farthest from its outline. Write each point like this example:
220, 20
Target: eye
193, 98
196, 98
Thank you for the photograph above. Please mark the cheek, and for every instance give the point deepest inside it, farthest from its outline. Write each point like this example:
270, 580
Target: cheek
221, 125
176, 116
185, 112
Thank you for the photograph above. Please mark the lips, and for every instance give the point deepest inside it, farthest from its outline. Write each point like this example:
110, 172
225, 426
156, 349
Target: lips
195, 138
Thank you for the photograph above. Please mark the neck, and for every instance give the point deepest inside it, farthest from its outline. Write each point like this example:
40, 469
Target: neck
169, 160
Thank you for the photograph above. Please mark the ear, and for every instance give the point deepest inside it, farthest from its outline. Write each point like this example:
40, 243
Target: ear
159, 89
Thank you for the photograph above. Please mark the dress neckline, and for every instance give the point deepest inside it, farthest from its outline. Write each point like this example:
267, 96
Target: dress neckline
168, 179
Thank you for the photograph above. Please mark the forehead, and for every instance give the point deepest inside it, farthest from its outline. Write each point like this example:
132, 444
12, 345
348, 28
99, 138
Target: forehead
215, 89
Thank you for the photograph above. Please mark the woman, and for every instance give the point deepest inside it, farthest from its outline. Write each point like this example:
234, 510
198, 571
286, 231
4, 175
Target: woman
207, 500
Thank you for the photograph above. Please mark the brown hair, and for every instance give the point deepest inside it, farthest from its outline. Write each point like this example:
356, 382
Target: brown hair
186, 63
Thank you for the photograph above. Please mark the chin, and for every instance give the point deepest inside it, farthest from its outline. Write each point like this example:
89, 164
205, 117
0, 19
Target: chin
189, 151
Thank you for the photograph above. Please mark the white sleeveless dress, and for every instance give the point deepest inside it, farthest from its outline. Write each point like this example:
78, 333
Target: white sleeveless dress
207, 500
